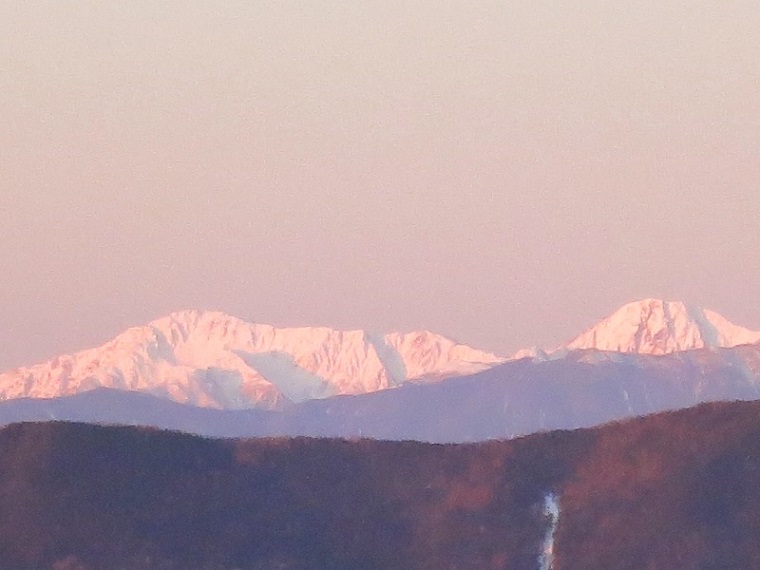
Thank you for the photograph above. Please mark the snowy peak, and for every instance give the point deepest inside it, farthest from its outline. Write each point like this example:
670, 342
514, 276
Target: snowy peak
212, 359
655, 326
429, 355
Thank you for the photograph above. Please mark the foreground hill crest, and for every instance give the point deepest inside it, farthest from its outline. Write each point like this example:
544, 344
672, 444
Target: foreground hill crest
676, 490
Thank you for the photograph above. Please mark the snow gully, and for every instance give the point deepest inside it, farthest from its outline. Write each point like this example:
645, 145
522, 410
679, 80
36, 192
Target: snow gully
551, 512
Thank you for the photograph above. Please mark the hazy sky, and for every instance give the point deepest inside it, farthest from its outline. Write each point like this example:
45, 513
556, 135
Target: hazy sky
505, 173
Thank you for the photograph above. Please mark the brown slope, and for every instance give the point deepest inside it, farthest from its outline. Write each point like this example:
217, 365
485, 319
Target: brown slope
125, 498
677, 490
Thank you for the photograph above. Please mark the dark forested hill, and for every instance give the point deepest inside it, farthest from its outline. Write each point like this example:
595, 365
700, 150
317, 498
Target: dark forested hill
678, 490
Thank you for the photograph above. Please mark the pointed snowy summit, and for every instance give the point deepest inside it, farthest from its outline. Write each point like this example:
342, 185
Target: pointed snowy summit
656, 326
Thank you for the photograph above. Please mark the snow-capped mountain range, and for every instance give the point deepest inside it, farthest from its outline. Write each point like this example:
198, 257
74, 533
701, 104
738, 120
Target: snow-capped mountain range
211, 359
214, 360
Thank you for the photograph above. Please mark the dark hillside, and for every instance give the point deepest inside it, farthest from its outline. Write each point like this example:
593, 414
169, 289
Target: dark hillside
81, 496
678, 490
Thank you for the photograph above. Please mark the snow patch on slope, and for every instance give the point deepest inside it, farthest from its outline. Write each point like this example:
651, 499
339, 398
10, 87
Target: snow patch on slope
280, 368
390, 358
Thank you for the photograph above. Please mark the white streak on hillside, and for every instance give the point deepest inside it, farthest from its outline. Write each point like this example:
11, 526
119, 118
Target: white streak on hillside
551, 511
390, 358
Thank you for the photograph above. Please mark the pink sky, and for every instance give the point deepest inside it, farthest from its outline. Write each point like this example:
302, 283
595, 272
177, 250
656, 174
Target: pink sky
505, 173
